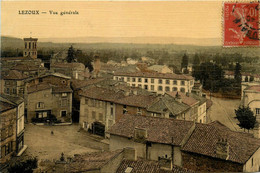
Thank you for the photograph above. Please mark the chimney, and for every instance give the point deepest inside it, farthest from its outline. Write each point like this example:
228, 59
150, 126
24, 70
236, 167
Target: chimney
135, 92
126, 93
165, 163
178, 97
222, 148
140, 135
130, 154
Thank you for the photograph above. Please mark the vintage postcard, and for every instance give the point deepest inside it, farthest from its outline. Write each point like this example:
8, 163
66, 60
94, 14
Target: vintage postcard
129, 86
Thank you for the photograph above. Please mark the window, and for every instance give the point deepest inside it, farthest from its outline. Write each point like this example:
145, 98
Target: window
139, 85
29, 45
139, 79
25, 45
133, 79
167, 88
174, 88
86, 101
40, 79
64, 94
183, 90
7, 90
111, 111
191, 82
7, 82
146, 80
122, 78
182, 82
100, 117
40, 105
257, 111
152, 87
63, 113
124, 109
146, 87
116, 78
175, 82
93, 115
10, 130
64, 102
14, 91
167, 81
133, 85
128, 79
139, 111
152, 80
86, 111
160, 81
160, 88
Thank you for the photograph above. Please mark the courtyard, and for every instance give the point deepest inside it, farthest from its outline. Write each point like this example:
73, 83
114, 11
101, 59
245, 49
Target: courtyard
65, 139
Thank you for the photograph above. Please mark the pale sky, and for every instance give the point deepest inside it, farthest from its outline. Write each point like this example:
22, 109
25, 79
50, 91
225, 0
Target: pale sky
113, 19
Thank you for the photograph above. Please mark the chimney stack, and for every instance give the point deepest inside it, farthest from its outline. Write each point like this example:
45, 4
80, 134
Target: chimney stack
178, 97
130, 154
222, 148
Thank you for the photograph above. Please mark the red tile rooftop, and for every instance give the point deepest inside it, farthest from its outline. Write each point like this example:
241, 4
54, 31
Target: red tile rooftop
188, 100
254, 88
156, 75
15, 75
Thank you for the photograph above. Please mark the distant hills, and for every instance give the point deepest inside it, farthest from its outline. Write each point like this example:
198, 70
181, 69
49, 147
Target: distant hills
138, 40
138, 43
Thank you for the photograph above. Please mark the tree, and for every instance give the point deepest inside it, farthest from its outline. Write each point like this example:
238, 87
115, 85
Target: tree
185, 61
251, 79
196, 67
238, 75
71, 55
25, 166
246, 118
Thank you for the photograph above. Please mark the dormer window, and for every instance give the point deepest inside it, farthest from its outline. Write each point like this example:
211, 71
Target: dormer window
64, 94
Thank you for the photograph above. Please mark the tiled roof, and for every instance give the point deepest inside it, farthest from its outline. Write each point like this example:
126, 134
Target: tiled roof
4, 106
68, 65
254, 88
142, 166
156, 75
136, 100
101, 94
13, 99
91, 161
77, 84
61, 89
186, 99
159, 130
167, 102
40, 87
205, 137
16, 58
15, 75
26, 67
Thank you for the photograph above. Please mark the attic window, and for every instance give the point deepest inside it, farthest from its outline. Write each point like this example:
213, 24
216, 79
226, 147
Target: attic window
64, 94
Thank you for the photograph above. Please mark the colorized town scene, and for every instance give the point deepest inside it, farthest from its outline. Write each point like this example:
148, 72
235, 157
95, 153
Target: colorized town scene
129, 87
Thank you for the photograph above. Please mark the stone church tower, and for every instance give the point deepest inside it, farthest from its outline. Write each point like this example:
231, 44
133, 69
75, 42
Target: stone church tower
30, 47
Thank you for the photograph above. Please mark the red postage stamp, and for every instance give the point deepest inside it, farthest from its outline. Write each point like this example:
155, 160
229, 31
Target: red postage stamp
241, 24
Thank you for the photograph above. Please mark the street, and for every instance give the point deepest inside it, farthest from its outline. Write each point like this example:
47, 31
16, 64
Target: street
223, 110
